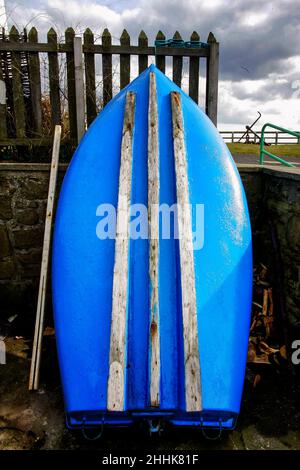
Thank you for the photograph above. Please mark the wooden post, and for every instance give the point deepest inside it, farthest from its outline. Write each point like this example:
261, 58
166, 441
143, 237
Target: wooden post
124, 61
79, 87
153, 234
90, 85
117, 367
18, 95
106, 68
212, 73
40, 312
54, 80
143, 59
177, 64
35, 84
161, 59
3, 124
194, 72
69, 38
186, 254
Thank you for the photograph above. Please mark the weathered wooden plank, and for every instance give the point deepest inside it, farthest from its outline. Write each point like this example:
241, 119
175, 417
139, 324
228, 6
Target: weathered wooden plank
40, 312
160, 59
90, 84
116, 379
194, 72
69, 38
3, 123
113, 49
54, 79
177, 64
79, 87
188, 287
18, 96
143, 59
212, 74
106, 67
35, 85
153, 231
124, 61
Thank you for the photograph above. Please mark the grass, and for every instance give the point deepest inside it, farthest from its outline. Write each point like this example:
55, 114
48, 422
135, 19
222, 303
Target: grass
292, 150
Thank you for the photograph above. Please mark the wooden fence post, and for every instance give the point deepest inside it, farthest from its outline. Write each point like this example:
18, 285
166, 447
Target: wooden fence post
79, 87
54, 80
143, 59
106, 68
124, 61
90, 85
177, 64
18, 96
212, 73
3, 124
69, 38
35, 84
161, 59
194, 72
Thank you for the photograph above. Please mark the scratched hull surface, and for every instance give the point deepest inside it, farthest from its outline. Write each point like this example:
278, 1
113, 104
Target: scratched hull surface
83, 270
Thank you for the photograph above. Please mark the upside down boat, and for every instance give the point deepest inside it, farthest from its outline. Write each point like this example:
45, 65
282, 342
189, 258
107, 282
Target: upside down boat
152, 326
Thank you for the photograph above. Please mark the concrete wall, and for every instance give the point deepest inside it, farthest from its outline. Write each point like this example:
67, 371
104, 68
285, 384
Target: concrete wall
272, 195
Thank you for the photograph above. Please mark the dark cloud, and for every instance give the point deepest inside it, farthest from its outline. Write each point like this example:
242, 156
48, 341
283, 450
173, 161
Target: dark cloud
258, 40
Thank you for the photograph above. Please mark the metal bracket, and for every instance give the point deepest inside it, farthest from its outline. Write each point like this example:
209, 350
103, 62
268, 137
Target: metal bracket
180, 43
97, 436
155, 426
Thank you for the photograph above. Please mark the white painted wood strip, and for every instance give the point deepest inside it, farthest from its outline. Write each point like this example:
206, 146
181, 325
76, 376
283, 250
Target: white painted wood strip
153, 230
188, 287
40, 312
117, 356
79, 87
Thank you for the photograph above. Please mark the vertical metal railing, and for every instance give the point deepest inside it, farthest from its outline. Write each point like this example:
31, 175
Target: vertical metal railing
264, 152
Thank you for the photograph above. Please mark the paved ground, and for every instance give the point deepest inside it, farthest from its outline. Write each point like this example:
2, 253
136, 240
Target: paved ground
270, 417
244, 158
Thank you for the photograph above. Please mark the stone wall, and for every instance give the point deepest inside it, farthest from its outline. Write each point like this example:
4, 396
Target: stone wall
281, 196
272, 194
23, 199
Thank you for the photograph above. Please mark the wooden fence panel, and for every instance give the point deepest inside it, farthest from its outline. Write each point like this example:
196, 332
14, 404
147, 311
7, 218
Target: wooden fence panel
20, 62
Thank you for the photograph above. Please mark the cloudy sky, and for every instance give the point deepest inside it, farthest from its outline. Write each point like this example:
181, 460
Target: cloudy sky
259, 44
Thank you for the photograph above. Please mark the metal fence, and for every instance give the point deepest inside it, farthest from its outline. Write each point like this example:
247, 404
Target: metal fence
271, 137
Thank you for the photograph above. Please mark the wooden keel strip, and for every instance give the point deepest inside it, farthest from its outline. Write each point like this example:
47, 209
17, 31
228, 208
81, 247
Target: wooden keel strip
188, 288
153, 230
117, 356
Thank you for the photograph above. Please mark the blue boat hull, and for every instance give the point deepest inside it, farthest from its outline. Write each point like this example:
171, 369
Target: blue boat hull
83, 271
